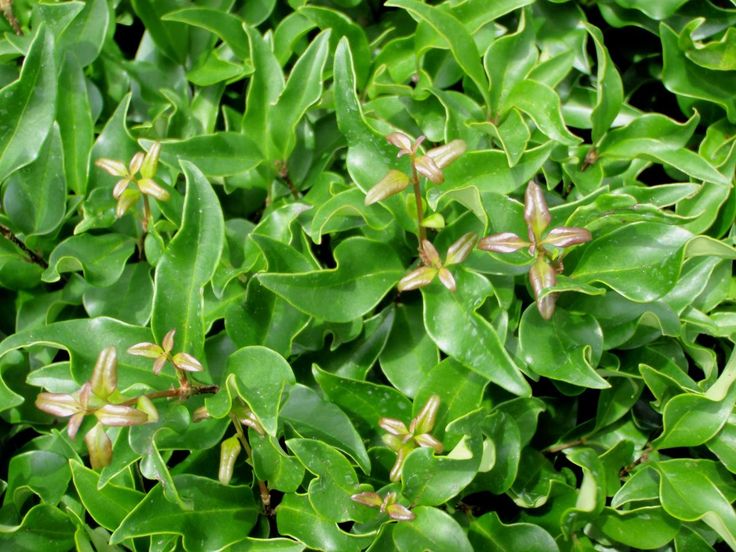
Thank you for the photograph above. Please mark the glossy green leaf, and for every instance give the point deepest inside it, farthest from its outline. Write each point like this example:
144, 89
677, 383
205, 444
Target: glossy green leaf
40, 472
314, 418
29, 105
35, 196
100, 258
127, 300
348, 291
43, 526
108, 505
261, 377
225, 25
646, 528
432, 529
619, 257
488, 532
219, 515
335, 482
187, 265
461, 333
566, 348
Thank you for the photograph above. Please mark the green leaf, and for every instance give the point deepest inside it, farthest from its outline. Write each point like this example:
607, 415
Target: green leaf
28, 106
100, 258
107, 505
84, 339
335, 481
75, 121
455, 327
296, 517
314, 418
171, 38
127, 300
618, 259
645, 528
303, 89
188, 265
219, 515
218, 154
455, 36
565, 348
44, 473
609, 93
85, 35
409, 352
261, 376
225, 25
266, 545
432, 529
43, 528
542, 104
489, 533
35, 196
346, 292
271, 464
690, 490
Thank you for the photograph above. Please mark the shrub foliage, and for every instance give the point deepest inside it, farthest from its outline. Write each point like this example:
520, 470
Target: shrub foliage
348, 275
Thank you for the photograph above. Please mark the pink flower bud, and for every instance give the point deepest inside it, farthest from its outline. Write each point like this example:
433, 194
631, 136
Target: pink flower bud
505, 242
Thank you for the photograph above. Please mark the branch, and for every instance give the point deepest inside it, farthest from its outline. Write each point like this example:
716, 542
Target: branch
34, 257
7, 8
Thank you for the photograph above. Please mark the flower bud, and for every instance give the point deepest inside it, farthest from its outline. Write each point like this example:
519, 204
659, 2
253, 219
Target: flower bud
536, 213
229, 451
105, 375
145, 349
99, 447
391, 184
186, 362
149, 187
505, 242
417, 278
565, 236
401, 141
150, 163
368, 499
429, 169
135, 163
447, 279
447, 153
110, 166
460, 250
120, 415
427, 416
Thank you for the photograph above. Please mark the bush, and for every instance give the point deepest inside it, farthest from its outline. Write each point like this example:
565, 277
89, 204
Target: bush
348, 275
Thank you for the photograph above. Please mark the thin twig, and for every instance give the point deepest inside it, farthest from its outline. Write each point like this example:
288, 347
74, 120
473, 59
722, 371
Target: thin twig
34, 257
420, 208
562, 446
179, 393
7, 8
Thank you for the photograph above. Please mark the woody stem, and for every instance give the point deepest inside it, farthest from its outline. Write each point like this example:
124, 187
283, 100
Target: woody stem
420, 208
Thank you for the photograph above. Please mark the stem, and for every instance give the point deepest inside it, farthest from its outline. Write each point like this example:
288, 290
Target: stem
562, 446
262, 487
171, 393
34, 257
7, 8
146, 214
420, 209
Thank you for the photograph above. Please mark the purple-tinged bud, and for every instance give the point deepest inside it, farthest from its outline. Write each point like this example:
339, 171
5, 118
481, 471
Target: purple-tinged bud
565, 236
460, 250
126, 200
120, 415
167, 343
58, 404
393, 426
391, 184
447, 153
146, 405
120, 186
427, 440
229, 451
429, 254
429, 169
401, 141
159, 364
186, 362
145, 349
447, 279
105, 375
417, 278
200, 414
536, 213
149, 187
401, 454
399, 512
99, 447
427, 416
367, 499
505, 242
72, 427
541, 277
